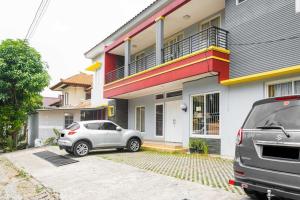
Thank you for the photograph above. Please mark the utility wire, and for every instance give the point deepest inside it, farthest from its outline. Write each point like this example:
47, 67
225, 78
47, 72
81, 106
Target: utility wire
38, 15
265, 42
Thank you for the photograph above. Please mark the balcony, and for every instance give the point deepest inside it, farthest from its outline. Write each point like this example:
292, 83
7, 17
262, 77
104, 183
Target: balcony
211, 37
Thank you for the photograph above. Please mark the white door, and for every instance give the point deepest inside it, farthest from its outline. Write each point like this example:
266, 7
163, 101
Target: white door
174, 130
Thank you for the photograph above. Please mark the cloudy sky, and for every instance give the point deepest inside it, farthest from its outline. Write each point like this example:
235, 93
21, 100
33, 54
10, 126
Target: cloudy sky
67, 30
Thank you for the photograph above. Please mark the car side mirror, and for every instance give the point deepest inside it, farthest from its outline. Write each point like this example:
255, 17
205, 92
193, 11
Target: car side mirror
119, 128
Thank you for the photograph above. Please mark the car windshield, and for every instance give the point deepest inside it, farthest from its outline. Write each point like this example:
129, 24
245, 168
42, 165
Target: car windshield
277, 113
73, 126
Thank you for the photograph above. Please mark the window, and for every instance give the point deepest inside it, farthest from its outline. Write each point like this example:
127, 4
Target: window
73, 126
68, 119
205, 114
140, 118
88, 95
278, 113
159, 119
66, 98
109, 126
240, 1
93, 126
174, 94
92, 114
159, 96
216, 21
284, 88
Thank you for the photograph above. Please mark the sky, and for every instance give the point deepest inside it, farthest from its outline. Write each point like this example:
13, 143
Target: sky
67, 30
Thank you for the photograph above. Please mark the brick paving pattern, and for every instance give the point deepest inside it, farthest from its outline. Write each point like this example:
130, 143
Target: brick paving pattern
206, 170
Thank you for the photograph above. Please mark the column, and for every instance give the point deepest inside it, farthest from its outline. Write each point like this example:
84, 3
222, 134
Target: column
127, 54
159, 39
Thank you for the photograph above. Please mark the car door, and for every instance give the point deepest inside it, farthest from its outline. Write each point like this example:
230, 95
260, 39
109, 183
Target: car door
96, 134
113, 137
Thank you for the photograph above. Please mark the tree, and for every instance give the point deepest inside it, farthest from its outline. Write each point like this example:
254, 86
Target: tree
22, 78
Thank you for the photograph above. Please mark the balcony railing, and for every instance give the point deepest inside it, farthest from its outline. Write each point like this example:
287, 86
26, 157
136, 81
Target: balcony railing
142, 64
114, 75
212, 36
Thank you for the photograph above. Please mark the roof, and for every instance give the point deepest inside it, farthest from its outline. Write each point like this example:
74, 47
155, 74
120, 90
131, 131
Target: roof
135, 20
81, 80
49, 101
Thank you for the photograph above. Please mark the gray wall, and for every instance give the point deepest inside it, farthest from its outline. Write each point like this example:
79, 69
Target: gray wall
121, 112
235, 103
257, 21
149, 103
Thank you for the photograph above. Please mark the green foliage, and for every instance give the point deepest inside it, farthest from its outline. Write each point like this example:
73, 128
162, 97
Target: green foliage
53, 140
22, 78
199, 145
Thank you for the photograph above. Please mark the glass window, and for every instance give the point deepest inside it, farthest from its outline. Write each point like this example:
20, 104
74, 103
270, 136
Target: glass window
93, 126
206, 114
278, 113
159, 96
159, 116
280, 89
109, 126
86, 115
240, 1
73, 126
140, 119
68, 119
66, 98
174, 94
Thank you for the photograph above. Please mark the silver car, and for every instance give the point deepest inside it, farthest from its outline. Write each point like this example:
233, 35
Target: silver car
267, 157
80, 137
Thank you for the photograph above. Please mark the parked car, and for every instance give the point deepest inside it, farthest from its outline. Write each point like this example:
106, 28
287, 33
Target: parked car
81, 137
267, 162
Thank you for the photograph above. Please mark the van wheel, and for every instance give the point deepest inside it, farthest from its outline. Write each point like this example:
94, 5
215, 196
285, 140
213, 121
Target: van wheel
255, 195
81, 148
134, 145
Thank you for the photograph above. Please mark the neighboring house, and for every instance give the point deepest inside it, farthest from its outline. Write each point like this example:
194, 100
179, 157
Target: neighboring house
74, 104
185, 69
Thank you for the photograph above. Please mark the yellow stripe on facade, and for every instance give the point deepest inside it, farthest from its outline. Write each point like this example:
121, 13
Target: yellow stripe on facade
263, 75
94, 67
163, 72
219, 49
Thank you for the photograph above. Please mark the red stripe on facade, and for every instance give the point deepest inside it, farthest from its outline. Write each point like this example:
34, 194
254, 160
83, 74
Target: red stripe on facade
165, 74
174, 5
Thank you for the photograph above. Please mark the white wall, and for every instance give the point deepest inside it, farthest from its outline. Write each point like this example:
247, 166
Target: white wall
76, 95
48, 120
98, 83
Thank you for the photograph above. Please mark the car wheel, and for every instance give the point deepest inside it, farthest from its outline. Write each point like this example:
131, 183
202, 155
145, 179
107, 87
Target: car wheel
134, 145
69, 151
255, 195
81, 148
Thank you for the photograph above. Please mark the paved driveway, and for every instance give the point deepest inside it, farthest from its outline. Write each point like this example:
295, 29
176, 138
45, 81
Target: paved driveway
96, 178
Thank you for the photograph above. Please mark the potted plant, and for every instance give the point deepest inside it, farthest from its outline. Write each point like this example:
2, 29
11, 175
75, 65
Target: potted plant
198, 145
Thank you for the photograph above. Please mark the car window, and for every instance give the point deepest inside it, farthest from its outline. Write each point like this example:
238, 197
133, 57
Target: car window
279, 113
93, 126
108, 126
73, 126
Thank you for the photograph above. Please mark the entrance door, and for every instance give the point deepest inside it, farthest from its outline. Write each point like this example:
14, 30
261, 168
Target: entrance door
173, 119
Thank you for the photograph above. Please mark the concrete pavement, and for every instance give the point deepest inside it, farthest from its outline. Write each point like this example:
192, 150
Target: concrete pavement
95, 178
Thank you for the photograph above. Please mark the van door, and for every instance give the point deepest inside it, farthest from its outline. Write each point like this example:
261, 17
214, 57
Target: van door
271, 136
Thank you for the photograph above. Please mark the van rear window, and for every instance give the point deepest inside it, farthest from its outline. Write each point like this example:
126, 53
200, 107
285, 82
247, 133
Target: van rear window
277, 113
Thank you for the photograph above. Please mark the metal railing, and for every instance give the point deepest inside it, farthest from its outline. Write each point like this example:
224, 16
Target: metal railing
212, 36
115, 75
142, 64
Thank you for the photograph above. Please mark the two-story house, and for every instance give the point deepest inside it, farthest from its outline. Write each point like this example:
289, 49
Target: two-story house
74, 104
185, 69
